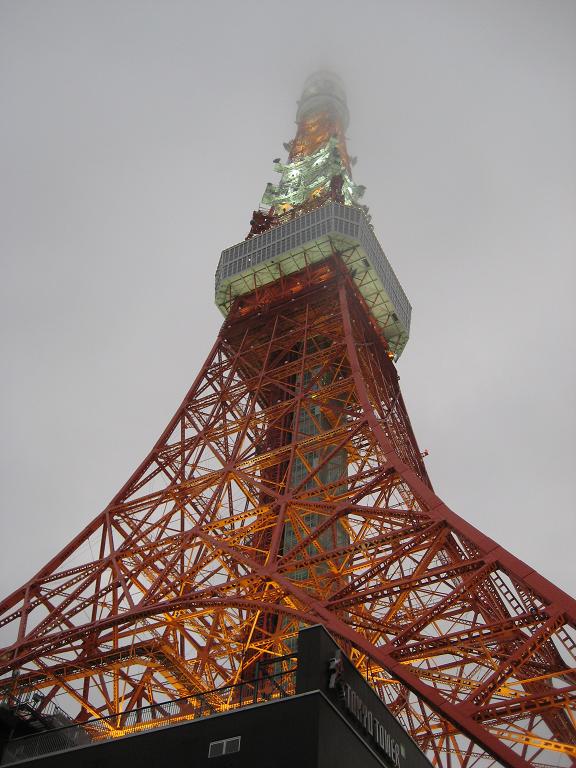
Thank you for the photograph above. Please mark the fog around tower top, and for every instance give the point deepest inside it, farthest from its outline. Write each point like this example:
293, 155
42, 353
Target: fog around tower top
323, 89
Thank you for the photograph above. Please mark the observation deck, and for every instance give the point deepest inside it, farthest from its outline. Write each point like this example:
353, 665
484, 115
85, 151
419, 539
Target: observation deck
308, 239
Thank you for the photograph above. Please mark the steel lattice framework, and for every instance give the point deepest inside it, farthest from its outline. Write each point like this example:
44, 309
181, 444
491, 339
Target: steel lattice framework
289, 490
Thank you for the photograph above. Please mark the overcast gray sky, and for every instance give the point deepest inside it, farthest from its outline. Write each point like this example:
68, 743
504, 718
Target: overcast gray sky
136, 137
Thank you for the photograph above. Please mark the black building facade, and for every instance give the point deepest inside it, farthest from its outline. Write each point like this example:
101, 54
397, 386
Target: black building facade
331, 719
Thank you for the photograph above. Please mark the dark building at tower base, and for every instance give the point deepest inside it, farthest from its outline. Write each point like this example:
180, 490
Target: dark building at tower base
318, 714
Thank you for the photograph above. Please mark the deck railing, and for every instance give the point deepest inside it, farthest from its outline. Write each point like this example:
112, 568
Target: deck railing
265, 687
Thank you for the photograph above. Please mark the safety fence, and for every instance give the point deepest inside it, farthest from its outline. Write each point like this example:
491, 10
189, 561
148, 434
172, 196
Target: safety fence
265, 687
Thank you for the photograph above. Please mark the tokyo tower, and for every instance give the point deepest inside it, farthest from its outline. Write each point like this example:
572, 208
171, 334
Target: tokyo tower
289, 490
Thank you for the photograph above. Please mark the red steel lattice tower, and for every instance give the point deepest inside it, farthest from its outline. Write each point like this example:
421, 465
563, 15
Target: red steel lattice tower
289, 490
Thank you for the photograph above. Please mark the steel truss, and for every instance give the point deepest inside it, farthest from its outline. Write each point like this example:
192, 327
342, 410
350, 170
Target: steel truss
188, 578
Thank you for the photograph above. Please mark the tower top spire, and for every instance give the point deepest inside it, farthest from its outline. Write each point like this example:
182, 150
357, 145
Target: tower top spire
322, 118
323, 92
318, 168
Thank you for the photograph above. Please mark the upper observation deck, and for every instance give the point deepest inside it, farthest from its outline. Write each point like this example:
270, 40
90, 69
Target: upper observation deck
311, 238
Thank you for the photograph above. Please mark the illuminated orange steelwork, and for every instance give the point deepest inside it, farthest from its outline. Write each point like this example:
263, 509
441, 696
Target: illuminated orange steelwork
289, 490
314, 132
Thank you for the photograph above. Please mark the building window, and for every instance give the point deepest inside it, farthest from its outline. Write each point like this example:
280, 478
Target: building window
224, 747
